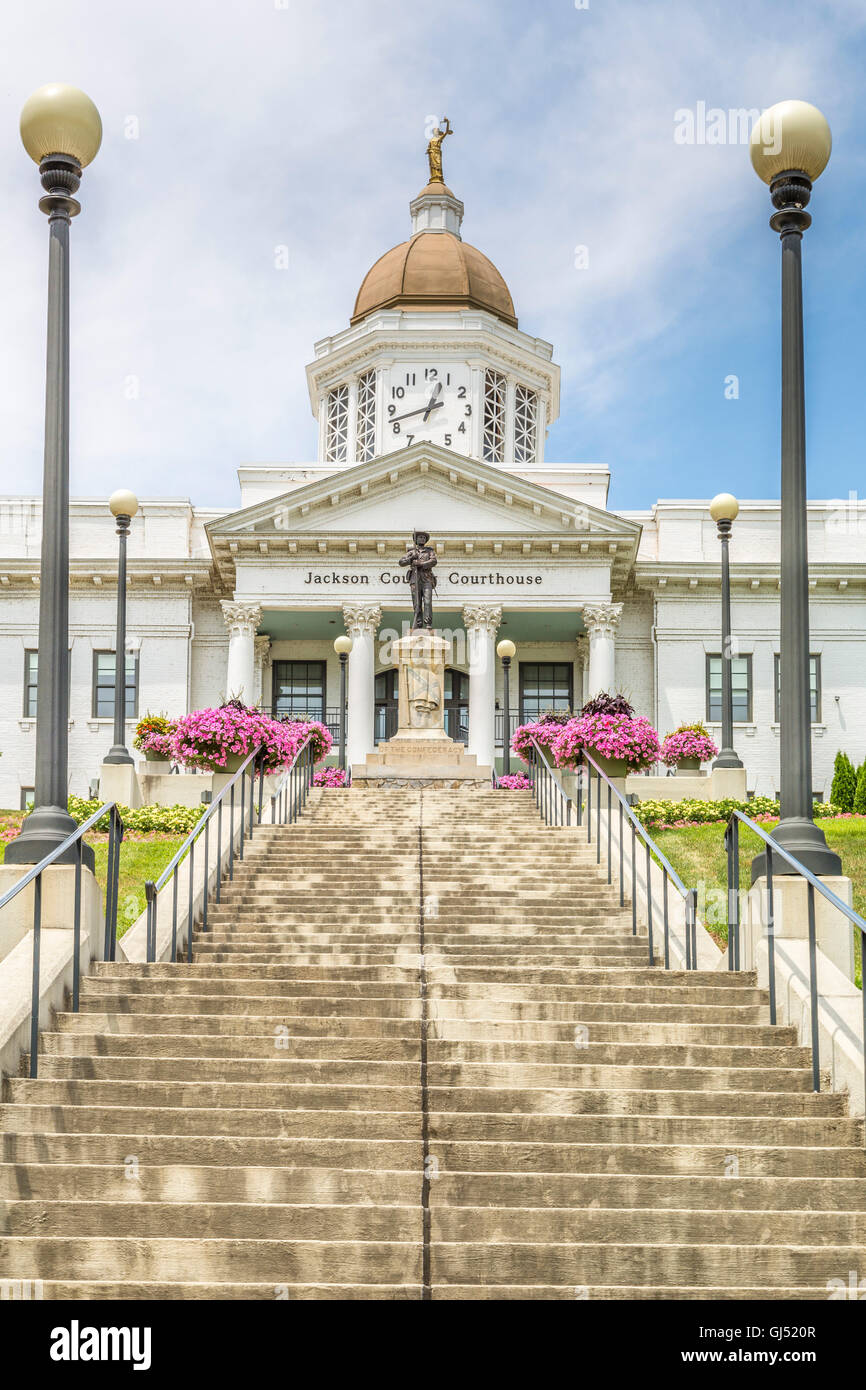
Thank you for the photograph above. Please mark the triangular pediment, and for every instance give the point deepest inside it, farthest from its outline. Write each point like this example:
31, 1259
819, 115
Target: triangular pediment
424, 486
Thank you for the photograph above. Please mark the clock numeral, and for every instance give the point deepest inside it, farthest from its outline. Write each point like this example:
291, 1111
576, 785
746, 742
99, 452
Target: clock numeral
391, 409
398, 391
461, 393
431, 373
409, 438
468, 410
410, 378
461, 428
396, 427
447, 441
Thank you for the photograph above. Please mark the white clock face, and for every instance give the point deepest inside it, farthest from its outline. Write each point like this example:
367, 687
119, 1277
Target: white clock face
424, 401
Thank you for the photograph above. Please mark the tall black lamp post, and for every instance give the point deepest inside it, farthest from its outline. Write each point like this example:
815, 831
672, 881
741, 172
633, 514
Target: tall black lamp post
790, 147
724, 509
505, 651
123, 506
62, 132
342, 646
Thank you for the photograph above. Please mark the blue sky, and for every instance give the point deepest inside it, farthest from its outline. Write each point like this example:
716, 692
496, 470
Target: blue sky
238, 126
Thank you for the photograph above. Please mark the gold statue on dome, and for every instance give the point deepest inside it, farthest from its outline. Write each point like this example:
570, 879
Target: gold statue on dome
434, 151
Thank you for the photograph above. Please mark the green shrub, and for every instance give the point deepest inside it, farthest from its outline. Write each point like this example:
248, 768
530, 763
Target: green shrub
844, 783
162, 820
656, 813
860, 794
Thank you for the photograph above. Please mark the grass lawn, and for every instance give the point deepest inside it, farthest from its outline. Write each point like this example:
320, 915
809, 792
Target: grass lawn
141, 858
698, 855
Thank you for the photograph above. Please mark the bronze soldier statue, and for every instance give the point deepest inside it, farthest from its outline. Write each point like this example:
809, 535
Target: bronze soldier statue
421, 557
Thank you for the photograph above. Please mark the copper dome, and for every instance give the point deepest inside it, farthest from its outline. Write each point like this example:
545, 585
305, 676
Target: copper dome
434, 271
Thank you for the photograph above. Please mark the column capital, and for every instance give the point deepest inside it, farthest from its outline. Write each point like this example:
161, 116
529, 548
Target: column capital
362, 619
262, 646
482, 617
602, 619
582, 644
241, 617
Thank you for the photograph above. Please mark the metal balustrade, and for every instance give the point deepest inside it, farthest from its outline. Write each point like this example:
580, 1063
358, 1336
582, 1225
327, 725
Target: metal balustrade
287, 801
589, 772
74, 842
813, 885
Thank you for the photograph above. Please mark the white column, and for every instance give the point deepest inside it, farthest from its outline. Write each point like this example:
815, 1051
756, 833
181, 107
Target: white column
481, 621
362, 625
241, 618
581, 697
600, 621
262, 648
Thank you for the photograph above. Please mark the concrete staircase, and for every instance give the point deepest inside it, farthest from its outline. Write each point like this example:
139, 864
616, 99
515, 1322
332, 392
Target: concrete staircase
420, 1053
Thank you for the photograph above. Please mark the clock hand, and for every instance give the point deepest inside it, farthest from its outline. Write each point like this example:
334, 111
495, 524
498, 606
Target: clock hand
431, 404
420, 411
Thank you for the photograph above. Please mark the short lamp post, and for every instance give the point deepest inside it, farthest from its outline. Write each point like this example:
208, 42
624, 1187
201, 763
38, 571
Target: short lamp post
505, 651
61, 131
123, 506
342, 646
790, 147
724, 509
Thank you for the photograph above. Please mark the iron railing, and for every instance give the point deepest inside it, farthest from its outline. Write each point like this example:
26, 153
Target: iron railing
287, 801
74, 842
813, 885
549, 794
588, 771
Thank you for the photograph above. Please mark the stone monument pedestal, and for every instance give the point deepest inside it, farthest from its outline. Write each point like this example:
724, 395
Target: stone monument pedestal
420, 750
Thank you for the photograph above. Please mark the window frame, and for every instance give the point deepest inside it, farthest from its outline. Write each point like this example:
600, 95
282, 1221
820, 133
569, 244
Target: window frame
522, 667
30, 684
777, 687
717, 656
96, 687
276, 682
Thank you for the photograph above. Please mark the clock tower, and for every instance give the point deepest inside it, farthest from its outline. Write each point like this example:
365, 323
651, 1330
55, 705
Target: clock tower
433, 353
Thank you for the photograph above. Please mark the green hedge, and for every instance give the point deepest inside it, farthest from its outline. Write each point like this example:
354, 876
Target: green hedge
166, 820
655, 813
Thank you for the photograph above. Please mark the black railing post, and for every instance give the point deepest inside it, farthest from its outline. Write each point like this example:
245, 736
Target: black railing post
813, 991
666, 922
219, 877
243, 817
633, 879
621, 864
771, 935
34, 991
204, 893
191, 863
609, 832
231, 832
598, 817
649, 903
174, 918
76, 932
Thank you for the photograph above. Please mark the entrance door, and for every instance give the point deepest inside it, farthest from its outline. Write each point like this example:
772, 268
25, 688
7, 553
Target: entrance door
457, 705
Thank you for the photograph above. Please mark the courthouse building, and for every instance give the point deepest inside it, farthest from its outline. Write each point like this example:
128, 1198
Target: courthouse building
433, 408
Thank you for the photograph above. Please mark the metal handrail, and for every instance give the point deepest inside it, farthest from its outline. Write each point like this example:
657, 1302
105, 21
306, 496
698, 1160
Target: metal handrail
814, 884
550, 796
290, 806
34, 876
689, 895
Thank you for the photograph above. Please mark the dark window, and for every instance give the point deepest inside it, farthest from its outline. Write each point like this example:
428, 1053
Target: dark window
299, 688
457, 705
31, 677
103, 685
31, 672
27, 797
741, 681
545, 685
814, 687
386, 705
